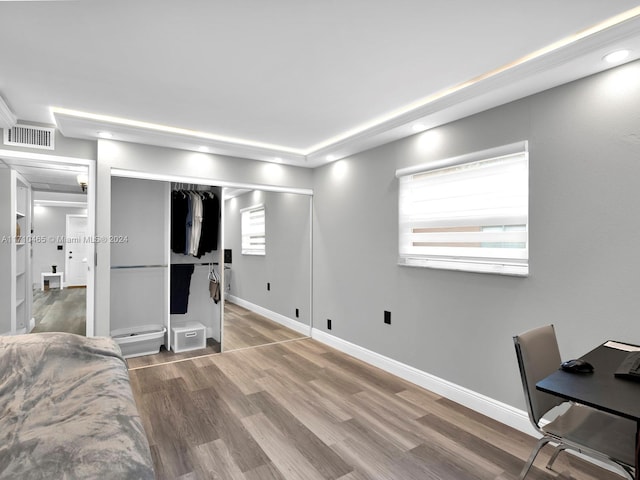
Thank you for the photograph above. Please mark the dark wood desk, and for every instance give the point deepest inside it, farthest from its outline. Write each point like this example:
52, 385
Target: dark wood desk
600, 389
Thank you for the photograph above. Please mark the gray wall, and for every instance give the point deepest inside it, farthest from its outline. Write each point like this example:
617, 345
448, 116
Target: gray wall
584, 277
49, 223
286, 266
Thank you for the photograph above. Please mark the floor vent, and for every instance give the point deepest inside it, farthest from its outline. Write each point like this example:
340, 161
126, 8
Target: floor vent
30, 136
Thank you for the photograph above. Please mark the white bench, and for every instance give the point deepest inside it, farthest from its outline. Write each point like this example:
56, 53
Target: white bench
46, 275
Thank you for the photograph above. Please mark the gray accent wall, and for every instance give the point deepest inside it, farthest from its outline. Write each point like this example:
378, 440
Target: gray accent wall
287, 263
584, 142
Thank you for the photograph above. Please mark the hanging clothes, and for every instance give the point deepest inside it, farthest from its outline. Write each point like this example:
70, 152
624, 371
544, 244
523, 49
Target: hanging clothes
179, 207
214, 284
188, 224
196, 223
210, 224
180, 285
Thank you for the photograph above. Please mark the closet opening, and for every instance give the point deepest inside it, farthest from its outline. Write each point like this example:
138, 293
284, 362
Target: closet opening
162, 282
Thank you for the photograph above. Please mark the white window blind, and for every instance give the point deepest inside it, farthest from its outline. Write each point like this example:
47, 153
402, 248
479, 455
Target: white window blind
253, 230
468, 213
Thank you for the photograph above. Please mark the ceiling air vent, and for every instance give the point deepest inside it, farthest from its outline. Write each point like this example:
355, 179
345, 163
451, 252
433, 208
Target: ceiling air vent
30, 136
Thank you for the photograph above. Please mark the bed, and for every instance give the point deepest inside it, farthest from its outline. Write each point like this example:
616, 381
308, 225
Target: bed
67, 410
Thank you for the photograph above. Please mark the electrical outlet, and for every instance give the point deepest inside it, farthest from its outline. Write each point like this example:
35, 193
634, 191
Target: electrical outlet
328, 324
387, 317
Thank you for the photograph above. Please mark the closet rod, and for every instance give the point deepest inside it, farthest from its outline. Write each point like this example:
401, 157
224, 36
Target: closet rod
201, 264
118, 267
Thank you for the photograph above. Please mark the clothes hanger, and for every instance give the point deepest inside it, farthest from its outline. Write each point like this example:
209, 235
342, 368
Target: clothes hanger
213, 275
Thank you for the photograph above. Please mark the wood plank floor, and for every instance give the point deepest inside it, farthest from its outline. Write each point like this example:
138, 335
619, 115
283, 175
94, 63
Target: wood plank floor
244, 328
300, 410
166, 356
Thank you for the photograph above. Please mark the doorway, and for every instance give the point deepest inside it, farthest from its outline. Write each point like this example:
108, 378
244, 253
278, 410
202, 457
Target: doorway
75, 247
59, 186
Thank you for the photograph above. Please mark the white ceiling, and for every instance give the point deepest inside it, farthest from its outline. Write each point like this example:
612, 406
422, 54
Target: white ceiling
42, 176
294, 79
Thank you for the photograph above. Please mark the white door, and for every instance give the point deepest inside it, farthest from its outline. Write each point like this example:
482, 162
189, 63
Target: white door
75, 254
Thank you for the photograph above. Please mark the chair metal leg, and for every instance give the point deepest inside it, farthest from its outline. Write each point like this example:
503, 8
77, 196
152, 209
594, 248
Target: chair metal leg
556, 452
541, 443
628, 470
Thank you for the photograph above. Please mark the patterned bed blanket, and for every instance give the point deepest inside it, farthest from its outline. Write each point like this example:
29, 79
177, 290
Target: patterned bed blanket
67, 410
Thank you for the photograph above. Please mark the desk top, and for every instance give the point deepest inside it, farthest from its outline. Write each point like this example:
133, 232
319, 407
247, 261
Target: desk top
599, 389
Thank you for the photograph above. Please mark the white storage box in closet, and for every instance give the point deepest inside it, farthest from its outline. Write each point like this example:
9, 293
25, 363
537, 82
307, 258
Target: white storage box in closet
188, 336
140, 340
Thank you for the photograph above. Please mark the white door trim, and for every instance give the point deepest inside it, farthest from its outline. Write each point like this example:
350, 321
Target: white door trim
91, 215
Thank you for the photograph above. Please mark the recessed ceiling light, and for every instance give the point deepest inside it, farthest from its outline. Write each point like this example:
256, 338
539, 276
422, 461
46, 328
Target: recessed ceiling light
277, 159
418, 127
617, 56
203, 149
331, 158
105, 134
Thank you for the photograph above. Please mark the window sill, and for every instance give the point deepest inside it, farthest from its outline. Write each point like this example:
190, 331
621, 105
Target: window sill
467, 266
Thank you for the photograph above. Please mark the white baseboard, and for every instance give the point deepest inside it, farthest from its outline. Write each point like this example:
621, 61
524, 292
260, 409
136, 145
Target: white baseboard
490, 407
276, 317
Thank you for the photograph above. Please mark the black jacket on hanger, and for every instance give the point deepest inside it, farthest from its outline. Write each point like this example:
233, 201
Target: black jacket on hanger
210, 224
180, 285
179, 208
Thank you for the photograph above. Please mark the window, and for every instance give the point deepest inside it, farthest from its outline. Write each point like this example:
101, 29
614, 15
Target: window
467, 213
253, 230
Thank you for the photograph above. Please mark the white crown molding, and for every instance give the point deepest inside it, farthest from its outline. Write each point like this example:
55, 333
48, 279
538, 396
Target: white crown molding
571, 59
559, 66
75, 126
7, 117
60, 203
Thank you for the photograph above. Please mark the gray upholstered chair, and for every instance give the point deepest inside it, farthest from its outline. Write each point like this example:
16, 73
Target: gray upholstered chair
592, 432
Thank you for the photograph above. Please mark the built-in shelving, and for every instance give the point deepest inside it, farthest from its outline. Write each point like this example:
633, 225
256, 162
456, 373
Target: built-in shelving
15, 256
